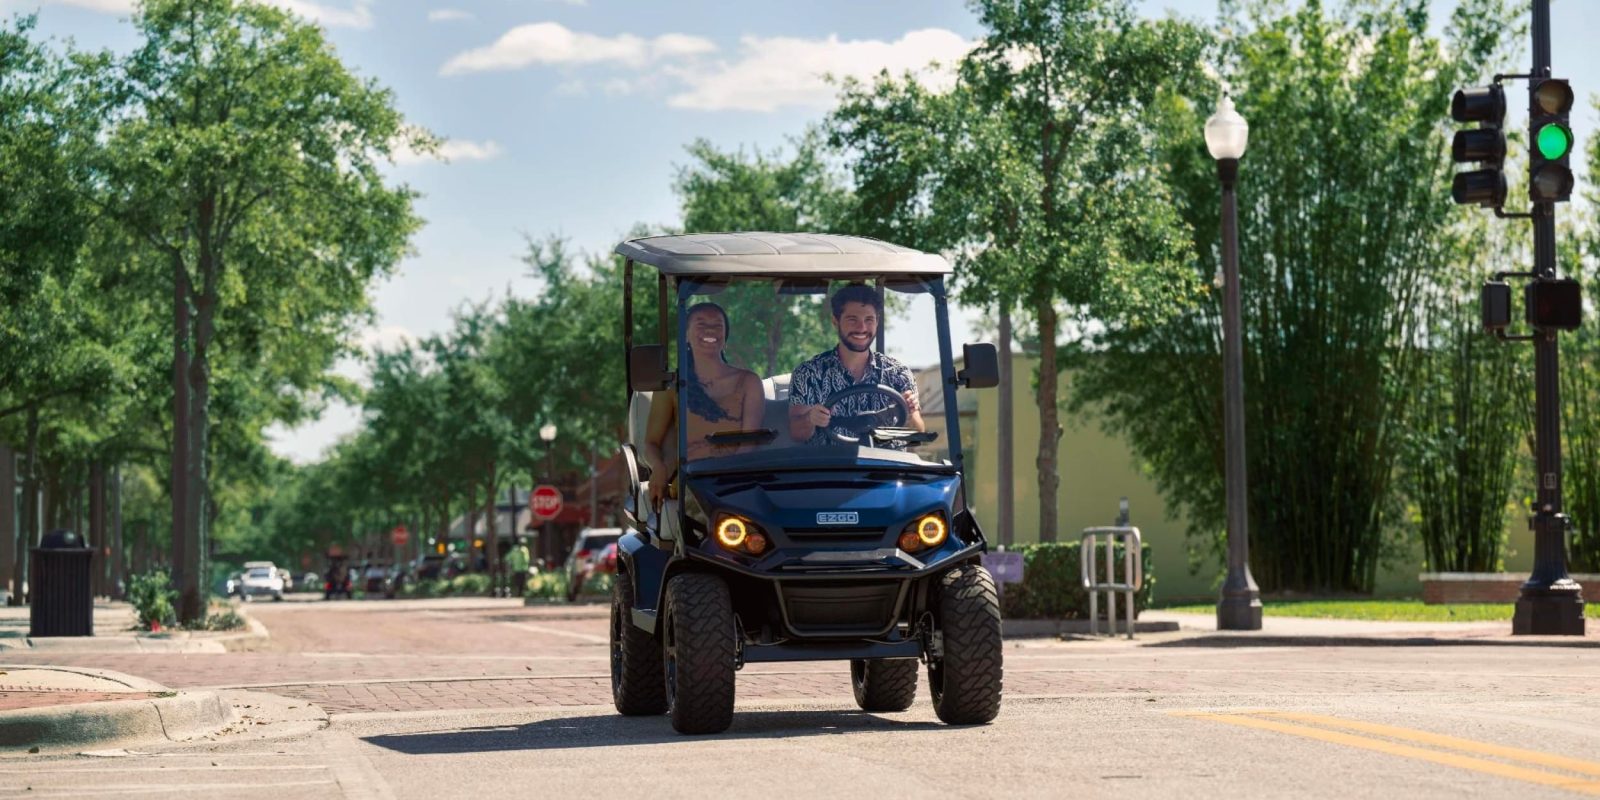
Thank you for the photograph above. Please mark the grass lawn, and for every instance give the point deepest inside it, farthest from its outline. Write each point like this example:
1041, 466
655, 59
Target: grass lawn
1395, 610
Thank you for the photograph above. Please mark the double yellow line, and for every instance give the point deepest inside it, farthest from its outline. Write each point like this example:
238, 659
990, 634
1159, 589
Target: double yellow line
1394, 742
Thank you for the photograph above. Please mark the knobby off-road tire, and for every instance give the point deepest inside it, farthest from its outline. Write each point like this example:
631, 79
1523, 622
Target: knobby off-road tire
965, 683
699, 653
636, 686
884, 685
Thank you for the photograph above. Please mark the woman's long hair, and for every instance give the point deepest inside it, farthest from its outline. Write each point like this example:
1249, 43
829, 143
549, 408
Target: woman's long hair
695, 397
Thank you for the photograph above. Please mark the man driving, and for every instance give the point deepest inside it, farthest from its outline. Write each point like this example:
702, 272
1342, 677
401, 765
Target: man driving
857, 311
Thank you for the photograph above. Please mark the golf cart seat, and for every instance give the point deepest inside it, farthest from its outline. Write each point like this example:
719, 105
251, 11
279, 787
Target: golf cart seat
776, 417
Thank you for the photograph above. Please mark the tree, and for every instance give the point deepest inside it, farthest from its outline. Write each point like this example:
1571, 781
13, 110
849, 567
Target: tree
247, 156
1346, 223
1039, 171
1580, 383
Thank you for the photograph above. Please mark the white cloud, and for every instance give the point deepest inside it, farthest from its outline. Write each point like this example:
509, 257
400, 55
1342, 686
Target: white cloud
387, 337
451, 150
782, 71
449, 15
358, 15
553, 43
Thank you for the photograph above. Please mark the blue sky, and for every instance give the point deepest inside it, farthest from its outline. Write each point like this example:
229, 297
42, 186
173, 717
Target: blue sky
570, 116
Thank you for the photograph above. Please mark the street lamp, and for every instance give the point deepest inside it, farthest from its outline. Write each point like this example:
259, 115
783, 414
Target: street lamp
547, 434
1240, 607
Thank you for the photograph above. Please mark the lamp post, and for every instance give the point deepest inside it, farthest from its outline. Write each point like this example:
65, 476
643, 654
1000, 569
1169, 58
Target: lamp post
1240, 606
547, 434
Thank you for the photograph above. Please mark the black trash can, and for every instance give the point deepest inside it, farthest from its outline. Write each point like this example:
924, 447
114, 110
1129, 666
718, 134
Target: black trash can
63, 596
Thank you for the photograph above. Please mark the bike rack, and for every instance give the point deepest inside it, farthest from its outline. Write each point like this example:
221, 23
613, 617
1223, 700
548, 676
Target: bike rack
1132, 573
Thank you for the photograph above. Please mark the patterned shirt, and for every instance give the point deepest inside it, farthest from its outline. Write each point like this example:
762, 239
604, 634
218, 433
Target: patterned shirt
814, 381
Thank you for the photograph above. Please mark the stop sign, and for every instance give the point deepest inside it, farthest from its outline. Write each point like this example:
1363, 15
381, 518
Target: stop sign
545, 502
399, 536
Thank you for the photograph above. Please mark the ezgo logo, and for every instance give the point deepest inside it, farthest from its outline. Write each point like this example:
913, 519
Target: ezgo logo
838, 518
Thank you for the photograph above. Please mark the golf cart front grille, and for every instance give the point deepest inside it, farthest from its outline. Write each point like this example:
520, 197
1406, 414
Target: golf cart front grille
841, 609
824, 537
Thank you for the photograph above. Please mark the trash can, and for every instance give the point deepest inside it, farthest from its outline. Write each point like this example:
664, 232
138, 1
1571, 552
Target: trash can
63, 596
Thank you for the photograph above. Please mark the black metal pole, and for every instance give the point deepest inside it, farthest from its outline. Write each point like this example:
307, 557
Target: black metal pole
1240, 606
1550, 602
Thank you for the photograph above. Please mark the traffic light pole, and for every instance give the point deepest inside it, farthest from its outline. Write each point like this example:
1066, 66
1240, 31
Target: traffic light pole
1550, 602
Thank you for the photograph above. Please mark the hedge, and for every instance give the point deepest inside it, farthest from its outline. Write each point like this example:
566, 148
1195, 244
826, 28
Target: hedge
1052, 584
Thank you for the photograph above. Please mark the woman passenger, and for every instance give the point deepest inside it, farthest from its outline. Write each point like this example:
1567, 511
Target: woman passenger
720, 397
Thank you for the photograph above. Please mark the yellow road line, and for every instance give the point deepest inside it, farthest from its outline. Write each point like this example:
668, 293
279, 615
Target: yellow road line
1407, 751
1451, 742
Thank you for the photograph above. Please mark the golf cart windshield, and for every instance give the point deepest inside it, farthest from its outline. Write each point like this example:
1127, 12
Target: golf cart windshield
767, 365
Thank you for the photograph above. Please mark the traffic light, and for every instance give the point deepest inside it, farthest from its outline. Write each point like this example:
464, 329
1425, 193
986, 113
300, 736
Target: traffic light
1550, 162
1484, 145
1554, 303
1496, 305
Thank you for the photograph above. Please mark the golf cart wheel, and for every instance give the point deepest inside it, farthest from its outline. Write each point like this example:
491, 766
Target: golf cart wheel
884, 685
698, 653
965, 681
636, 685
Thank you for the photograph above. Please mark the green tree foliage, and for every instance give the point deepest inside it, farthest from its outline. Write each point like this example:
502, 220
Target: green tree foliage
1039, 170
1580, 377
1345, 221
246, 157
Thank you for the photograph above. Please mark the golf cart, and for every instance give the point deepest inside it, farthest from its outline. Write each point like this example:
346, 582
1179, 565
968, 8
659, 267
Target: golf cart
854, 543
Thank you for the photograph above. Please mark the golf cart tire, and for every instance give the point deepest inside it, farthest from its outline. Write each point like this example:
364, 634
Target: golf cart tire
636, 685
884, 684
965, 682
699, 647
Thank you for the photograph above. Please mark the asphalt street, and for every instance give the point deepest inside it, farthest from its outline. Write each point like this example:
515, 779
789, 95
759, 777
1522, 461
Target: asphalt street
452, 698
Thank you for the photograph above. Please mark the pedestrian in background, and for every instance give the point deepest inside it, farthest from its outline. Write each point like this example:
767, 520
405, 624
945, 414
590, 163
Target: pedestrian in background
517, 562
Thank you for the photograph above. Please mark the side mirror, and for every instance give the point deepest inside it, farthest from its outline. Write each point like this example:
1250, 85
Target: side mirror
647, 368
1496, 300
982, 366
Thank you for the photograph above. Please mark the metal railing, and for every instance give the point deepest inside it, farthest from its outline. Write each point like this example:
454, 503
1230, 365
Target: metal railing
1132, 573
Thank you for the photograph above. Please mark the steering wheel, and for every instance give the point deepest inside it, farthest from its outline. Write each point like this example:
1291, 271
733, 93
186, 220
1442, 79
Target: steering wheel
850, 429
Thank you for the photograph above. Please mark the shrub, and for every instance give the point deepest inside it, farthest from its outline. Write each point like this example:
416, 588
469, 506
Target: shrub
467, 585
599, 583
549, 585
1052, 583
224, 618
152, 597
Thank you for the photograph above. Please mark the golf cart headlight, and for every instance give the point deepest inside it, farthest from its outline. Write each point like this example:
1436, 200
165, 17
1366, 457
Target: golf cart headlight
731, 532
930, 529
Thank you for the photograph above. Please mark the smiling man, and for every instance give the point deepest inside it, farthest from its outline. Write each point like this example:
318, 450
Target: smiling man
857, 312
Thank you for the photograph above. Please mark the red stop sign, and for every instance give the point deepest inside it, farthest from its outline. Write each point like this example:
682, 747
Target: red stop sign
545, 502
399, 536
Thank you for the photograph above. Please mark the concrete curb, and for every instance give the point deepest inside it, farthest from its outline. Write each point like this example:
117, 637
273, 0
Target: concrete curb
177, 641
176, 717
1029, 628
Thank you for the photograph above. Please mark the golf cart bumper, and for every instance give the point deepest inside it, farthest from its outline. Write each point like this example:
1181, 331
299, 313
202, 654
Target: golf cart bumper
840, 594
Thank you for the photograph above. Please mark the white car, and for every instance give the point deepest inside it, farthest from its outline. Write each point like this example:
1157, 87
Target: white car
260, 581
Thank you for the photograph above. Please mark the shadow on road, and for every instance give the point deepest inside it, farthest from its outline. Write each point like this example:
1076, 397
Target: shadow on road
612, 730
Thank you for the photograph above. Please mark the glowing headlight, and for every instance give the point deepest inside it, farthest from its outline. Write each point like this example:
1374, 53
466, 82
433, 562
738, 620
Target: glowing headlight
731, 532
928, 531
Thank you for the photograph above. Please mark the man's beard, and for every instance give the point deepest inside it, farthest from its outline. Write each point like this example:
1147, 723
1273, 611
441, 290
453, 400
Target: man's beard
852, 347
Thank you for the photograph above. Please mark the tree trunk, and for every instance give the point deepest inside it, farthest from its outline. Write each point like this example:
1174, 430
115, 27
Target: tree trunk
491, 532
30, 504
119, 551
8, 522
98, 538
1049, 425
180, 423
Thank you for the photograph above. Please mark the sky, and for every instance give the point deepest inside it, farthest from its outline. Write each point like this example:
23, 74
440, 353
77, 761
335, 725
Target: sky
570, 117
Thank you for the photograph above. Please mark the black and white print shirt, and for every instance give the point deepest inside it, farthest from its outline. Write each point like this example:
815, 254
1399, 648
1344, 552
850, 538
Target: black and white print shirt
813, 382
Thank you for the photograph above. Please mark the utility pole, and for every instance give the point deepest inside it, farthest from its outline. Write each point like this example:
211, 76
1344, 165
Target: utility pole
1004, 448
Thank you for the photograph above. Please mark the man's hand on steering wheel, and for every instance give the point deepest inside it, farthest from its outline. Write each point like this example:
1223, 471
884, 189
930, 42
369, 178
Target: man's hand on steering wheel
849, 429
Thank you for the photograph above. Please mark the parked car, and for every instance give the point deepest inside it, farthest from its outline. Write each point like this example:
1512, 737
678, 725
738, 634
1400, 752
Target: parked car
231, 586
288, 579
590, 543
309, 582
336, 582
374, 578
260, 582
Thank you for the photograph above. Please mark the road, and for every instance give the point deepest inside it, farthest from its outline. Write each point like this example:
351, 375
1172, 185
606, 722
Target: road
448, 698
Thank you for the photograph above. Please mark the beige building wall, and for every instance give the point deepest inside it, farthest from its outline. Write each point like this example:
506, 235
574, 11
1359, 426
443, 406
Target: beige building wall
1096, 469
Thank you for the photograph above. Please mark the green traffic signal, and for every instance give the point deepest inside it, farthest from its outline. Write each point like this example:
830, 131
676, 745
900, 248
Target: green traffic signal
1554, 141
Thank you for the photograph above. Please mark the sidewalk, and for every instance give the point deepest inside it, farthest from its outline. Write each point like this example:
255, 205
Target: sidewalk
114, 633
62, 709
1201, 630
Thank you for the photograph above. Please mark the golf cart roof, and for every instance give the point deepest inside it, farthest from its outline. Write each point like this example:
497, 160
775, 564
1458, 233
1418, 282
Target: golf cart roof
778, 254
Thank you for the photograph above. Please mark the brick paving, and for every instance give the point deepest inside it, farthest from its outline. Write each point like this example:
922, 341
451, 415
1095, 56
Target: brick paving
438, 655
11, 700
